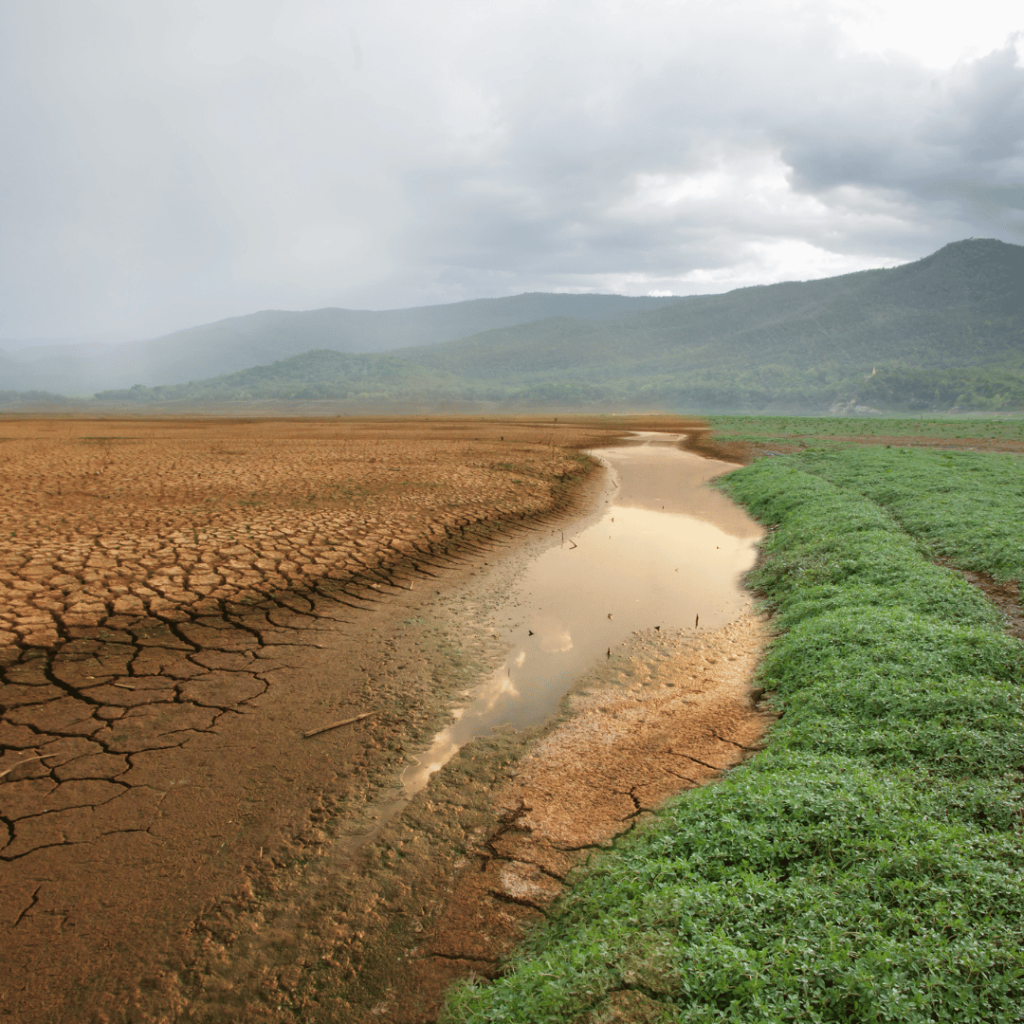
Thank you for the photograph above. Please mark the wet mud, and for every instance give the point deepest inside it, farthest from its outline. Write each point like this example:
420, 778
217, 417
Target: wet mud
174, 847
436, 880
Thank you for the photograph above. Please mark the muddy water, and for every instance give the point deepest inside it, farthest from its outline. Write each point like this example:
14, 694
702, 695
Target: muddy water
395, 902
665, 551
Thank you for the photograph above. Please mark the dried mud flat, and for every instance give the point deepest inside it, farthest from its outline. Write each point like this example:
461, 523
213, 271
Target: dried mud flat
182, 601
170, 519
670, 713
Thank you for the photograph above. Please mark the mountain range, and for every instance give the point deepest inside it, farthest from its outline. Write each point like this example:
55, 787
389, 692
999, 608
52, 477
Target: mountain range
943, 332
243, 341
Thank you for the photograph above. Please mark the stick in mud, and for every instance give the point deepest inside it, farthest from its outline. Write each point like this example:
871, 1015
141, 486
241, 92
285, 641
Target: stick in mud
336, 725
7, 771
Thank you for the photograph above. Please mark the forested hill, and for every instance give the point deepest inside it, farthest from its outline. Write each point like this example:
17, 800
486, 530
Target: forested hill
945, 331
243, 341
962, 306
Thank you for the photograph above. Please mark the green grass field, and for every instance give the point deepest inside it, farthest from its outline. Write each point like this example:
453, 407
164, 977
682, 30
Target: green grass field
868, 865
825, 429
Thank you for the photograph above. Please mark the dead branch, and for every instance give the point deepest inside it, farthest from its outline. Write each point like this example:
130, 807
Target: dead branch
337, 725
38, 757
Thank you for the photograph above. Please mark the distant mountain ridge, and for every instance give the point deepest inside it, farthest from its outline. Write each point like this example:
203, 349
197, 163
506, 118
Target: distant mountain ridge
238, 342
944, 332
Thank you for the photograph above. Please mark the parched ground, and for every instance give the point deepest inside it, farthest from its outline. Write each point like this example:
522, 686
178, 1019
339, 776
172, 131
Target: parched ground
170, 519
180, 602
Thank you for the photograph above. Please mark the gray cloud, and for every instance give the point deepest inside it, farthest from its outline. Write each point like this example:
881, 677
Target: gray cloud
167, 164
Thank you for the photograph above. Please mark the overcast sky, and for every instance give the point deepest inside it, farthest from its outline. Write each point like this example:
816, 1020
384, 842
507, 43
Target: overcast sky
165, 163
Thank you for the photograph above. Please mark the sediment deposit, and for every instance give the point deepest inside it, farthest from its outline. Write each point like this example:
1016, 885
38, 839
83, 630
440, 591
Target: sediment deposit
179, 602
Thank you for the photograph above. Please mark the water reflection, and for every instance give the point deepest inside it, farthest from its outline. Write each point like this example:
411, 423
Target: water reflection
666, 550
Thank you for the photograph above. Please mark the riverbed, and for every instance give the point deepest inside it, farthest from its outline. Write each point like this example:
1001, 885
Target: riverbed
664, 551
601, 664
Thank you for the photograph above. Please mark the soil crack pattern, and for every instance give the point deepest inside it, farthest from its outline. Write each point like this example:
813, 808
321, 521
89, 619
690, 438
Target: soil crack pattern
179, 602
444, 891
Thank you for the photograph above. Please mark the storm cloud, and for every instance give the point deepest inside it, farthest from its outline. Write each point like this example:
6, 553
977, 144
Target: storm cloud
166, 164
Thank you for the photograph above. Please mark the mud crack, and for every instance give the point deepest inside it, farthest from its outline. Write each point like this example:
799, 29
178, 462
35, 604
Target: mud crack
35, 899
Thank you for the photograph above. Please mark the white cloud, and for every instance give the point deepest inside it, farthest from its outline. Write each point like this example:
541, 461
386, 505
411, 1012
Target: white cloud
937, 37
170, 163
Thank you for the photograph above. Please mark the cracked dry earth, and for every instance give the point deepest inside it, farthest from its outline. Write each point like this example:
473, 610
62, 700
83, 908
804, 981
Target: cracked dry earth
444, 891
179, 602
670, 712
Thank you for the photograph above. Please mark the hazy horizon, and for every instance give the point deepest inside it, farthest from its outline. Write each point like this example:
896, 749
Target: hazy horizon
173, 165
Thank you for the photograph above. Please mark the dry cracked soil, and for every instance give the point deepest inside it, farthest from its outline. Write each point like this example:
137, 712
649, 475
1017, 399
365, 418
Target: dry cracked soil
182, 601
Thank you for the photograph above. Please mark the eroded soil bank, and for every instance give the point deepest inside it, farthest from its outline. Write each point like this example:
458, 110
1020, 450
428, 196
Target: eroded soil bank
390, 909
178, 850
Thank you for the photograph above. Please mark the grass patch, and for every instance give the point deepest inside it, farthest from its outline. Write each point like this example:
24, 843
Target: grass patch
823, 429
868, 866
964, 506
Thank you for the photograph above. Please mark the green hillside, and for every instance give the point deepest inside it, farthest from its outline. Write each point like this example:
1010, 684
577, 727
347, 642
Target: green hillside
236, 343
802, 344
944, 332
311, 376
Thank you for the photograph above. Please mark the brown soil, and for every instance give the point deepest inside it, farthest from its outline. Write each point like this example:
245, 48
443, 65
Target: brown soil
171, 518
181, 601
444, 892
1004, 594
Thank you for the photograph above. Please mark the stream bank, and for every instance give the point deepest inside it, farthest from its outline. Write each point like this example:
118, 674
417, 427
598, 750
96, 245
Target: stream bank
383, 909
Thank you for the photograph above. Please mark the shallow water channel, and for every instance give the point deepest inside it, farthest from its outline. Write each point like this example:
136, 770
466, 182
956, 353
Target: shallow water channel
666, 551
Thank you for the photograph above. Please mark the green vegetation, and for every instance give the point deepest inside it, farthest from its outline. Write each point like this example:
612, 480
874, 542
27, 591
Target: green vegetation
15, 401
212, 350
943, 333
897, 386
825, 429
868, 866
312, 376
967, 507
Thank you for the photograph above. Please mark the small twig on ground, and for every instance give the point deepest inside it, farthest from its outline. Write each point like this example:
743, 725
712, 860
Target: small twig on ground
335, 725
7, 771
